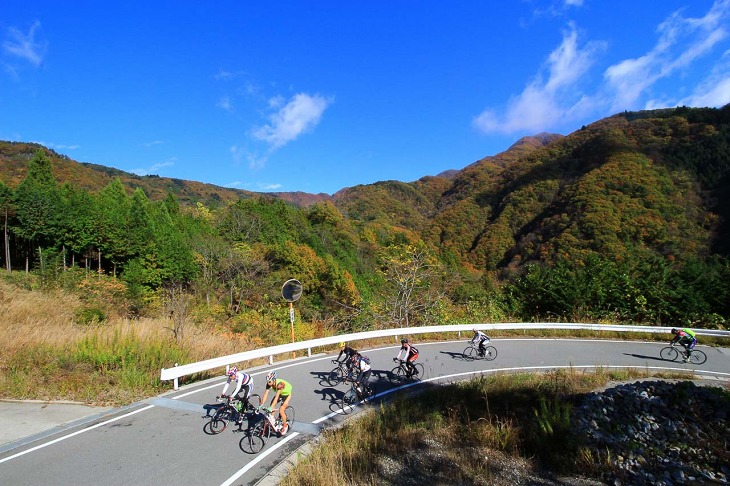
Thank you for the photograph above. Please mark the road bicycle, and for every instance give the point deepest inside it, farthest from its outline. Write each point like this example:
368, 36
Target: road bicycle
471, 352
339, 374
234, 411
401, 373
262, 429
357, 394
670, 353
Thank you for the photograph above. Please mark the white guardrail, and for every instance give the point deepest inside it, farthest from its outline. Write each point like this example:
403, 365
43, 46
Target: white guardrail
270, 352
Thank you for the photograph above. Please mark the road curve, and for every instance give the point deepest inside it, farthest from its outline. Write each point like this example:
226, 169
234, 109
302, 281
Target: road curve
162, 440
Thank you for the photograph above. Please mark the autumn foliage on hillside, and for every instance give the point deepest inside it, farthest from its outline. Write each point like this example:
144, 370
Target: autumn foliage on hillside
624, 220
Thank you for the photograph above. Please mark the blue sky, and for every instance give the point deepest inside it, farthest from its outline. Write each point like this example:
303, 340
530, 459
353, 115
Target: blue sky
318, 95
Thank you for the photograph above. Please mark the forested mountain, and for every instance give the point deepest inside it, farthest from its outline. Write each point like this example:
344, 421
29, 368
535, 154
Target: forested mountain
624, 219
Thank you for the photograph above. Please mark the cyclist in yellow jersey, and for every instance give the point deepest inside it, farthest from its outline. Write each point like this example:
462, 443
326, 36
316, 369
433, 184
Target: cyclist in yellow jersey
282, 390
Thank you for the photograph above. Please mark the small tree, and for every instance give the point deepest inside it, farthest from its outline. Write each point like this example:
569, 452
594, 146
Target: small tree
176, 302
414, 282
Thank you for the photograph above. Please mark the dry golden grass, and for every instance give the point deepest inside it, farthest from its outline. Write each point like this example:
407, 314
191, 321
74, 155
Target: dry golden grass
30, 318
41, 342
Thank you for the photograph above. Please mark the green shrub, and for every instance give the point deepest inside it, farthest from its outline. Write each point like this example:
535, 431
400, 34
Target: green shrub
89, 316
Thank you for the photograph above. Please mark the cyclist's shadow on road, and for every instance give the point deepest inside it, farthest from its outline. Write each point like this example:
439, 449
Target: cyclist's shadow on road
211, 409
330, 393
653, 358
321, 377
454, 355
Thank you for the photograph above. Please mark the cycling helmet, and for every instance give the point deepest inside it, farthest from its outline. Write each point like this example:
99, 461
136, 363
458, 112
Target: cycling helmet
404, 341
675, 330
271, 376
232, 371
342, 344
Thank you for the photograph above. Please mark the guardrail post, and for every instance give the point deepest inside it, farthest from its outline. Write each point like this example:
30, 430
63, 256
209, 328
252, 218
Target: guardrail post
175, 382
309, 352
271, 359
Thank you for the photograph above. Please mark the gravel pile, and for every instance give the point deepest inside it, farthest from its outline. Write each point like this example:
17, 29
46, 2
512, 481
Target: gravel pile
658, 432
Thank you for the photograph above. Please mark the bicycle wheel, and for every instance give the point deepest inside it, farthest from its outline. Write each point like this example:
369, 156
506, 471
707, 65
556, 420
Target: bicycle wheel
669, 353
213, 426
254, 401
289, 411
397, 375
490, 353
336, 376
349, 399
469, 353
418, 371
254, 440
697, 357
220, 420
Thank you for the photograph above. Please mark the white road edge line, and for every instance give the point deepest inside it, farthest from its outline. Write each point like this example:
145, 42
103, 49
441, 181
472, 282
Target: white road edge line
32, 449
258, 459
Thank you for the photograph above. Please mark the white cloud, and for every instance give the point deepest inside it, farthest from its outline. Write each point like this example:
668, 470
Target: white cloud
154, 168
300, 115
713, 90
255, 161
543, 103
225, 103
25, 46
56, 146
269, 187
256, 186
627, 84
681, 42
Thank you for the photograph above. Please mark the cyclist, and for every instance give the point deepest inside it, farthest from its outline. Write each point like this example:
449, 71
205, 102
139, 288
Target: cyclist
685, 337
244, 385
482, 338
349, 352
282, 390
362, 365
409, 354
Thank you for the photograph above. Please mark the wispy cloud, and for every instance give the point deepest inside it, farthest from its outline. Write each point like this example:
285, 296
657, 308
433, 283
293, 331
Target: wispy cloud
225, 103
24, 45
255, 186
290, 120
153, 143
681, 41
548, 103
545, 100
56, 146
713, 90
154, 168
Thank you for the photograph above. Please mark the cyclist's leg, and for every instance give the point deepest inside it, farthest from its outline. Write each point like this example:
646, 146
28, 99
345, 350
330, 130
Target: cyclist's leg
282, 415
692, 345
365, 380
282, 409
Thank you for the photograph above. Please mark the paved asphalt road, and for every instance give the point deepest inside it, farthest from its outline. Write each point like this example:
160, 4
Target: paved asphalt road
161, 441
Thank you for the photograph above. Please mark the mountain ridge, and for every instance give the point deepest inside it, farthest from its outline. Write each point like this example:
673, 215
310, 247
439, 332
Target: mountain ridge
14, 157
